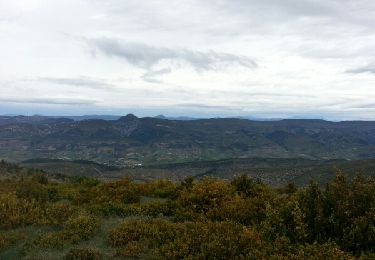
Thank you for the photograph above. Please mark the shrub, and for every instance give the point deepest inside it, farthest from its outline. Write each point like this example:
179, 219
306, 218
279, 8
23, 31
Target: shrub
83, 254
158, 188
16, 212
121, 191
133, 249
245, 185
316, 252
58, 213
40, 177
158, 209
3, 241
203, 200
35, 190
164, 239
9, 238
115, 209
81, 227
49, 240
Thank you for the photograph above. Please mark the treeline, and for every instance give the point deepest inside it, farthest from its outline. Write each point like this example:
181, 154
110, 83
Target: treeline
209, 219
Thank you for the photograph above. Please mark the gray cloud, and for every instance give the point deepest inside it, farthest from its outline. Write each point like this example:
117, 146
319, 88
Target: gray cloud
146, 56
203, 106
50, 101
80, 82
249, 93
312, 55
151, 75
365, 106
370, 68
287, 7
355, 12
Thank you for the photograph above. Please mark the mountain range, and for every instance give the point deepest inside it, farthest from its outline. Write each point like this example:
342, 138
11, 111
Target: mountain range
133, 141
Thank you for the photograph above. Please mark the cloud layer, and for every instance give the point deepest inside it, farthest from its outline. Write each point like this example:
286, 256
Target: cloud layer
80, 82
146, 56
200, 58
49, 101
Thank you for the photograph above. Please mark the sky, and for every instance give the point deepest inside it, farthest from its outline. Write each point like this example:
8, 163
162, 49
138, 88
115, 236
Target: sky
212, 58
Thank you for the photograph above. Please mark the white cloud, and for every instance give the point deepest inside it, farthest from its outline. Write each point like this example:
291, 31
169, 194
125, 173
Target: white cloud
145, 56
221, 57
48, 101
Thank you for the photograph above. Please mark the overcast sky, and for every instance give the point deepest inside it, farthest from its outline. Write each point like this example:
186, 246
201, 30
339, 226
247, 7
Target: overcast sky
268, 58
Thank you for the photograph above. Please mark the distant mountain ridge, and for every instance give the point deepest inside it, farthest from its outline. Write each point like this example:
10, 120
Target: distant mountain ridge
130, 140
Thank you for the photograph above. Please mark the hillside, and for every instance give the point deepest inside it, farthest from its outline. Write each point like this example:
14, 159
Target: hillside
83, 218
130, 141
275, 172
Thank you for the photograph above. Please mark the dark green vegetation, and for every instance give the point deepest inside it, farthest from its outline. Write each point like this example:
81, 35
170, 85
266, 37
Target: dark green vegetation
275, 172
144, 149
83, 218
130, 141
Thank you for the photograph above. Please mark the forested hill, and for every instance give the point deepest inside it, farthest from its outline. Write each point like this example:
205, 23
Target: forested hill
132, 141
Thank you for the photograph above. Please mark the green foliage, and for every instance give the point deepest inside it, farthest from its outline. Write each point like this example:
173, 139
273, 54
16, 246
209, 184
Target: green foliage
188, 239
203, 200
83, 181
196, 219
115, 209
83, 254
15, 212
76, 229
121, 191
59, 212
9, 238
81, 227
245, 185
133, 249
316, 251
158, 208
158, 188
36, 190
47, 240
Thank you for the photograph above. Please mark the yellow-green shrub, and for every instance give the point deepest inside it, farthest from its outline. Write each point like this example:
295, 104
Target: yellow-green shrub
203, 200
83, 254
32, 190
133, 249
59, 212
114, 209
9, 238
157, 188
49, 240
16, 212
81, 227
166, 239
316, 252
158, 208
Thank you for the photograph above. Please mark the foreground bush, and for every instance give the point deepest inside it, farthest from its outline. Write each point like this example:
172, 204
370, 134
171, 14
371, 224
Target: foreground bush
81, 227
206, 219
15, 212
83, 254
115, 209
162, 239
9, 238
76, 229
175, 240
